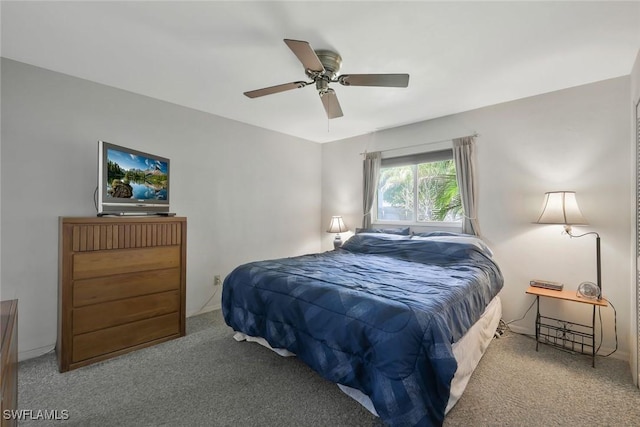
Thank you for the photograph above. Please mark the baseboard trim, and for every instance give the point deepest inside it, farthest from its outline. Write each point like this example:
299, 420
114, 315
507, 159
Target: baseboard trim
204, 310
35, 352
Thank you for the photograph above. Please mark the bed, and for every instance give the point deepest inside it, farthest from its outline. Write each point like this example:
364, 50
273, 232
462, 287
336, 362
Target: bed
381, 316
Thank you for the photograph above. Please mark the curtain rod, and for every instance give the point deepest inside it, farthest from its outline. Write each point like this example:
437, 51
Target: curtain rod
426, 143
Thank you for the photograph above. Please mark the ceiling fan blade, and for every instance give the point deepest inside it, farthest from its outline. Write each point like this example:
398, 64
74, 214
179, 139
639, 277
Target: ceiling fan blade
331, 104
274, 89
305, 54
386, 80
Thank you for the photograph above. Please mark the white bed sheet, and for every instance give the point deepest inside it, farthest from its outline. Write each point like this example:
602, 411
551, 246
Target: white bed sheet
467, 351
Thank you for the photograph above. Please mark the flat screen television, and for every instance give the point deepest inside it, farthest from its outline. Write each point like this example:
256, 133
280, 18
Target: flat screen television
131, 182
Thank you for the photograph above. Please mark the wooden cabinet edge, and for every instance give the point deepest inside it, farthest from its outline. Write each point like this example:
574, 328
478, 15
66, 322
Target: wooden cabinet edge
9, 359
65, 308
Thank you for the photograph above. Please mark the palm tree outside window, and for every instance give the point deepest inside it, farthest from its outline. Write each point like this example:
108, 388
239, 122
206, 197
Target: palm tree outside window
419, 189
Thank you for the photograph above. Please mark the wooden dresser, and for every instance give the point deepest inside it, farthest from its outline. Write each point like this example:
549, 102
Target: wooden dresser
122, 286
9, 360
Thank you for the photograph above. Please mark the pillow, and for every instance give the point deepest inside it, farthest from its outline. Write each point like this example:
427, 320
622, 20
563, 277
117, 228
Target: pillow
402, 231
387, 236
456, 238
378, 243
440, 233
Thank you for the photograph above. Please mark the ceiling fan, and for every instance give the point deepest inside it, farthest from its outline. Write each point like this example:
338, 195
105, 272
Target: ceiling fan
322, 67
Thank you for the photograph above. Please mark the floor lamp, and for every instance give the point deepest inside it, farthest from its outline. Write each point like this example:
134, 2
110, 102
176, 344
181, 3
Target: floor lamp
561, 207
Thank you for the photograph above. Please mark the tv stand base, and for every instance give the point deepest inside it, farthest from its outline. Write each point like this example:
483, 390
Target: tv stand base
165, 214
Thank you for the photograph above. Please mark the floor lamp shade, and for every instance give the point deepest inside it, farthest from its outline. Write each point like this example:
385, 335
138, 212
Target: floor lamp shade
561, 207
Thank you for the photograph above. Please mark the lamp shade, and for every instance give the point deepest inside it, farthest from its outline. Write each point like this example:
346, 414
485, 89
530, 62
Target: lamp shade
337, 225
561, 207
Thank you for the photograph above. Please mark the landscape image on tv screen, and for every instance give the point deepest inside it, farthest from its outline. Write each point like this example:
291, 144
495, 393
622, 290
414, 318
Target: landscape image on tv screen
135, 177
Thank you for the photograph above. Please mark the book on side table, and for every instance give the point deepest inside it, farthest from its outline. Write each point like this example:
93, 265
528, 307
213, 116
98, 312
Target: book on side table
546, 284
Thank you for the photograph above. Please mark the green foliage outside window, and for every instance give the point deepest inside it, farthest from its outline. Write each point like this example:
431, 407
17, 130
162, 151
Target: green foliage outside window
395, 193
435, 186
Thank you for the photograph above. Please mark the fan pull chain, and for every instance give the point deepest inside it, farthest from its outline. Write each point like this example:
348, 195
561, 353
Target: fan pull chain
328, 115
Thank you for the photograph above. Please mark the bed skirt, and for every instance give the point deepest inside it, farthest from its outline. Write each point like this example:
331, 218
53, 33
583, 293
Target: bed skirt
467, 351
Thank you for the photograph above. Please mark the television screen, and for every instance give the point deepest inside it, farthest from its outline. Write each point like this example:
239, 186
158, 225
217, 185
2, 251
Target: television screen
131, 181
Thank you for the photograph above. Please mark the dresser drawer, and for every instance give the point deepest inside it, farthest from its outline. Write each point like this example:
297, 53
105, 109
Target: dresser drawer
100, 316
108, 263
103, 289
98, 343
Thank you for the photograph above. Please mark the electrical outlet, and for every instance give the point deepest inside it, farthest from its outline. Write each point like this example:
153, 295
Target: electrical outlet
216, 280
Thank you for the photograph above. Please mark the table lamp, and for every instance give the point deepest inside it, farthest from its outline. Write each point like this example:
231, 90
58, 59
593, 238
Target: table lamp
337, 226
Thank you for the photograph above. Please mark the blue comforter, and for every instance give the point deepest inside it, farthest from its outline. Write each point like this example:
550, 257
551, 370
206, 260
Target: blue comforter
377, 315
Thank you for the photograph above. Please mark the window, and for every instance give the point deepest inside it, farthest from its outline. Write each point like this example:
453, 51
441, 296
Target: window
419, 188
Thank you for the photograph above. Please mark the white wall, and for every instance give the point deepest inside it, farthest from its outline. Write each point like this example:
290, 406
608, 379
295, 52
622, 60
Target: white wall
1, 297
633, 306
574, 139
248, 193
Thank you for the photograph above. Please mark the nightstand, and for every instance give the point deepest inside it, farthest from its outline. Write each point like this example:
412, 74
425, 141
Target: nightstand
563, 334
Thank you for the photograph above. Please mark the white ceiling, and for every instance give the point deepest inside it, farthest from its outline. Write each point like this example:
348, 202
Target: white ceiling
205, 54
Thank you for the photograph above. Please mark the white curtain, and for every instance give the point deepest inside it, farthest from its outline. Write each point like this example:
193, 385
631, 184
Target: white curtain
371, 171
464, 155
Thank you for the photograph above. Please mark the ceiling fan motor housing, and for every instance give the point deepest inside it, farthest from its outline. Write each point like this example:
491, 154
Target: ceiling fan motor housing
331, 61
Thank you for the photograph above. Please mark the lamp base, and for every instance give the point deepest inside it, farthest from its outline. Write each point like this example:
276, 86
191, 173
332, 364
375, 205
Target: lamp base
337, 242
